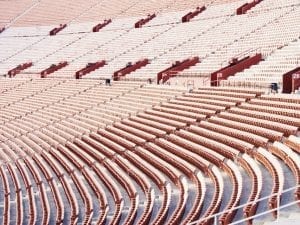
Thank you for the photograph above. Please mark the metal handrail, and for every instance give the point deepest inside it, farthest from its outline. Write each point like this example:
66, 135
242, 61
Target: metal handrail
216, 215
266, 212
189, 74
242, 54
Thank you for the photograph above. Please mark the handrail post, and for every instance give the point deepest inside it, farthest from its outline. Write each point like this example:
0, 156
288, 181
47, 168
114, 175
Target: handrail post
278, 206
216, 220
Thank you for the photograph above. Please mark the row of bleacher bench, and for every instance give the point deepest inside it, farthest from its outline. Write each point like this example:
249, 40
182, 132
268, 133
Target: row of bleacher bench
160, 141
271, 30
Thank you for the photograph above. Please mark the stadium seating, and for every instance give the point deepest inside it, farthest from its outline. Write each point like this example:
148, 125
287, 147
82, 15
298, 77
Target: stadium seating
175, 131
215, 42
121, 144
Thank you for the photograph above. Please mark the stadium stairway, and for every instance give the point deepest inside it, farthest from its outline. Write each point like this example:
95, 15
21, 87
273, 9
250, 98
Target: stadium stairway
191, 15
99, 26
143, 21
176, 68
235, 65
56, 30
53, 68
90, 67
247, 6
129, 68
13, 72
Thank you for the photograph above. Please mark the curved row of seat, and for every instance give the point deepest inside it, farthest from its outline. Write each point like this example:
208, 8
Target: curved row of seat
154, 165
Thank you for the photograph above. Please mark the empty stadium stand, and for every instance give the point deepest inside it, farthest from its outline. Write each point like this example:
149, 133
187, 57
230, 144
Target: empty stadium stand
171, 123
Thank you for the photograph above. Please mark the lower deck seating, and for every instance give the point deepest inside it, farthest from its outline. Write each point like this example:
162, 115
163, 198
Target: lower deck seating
137, 153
